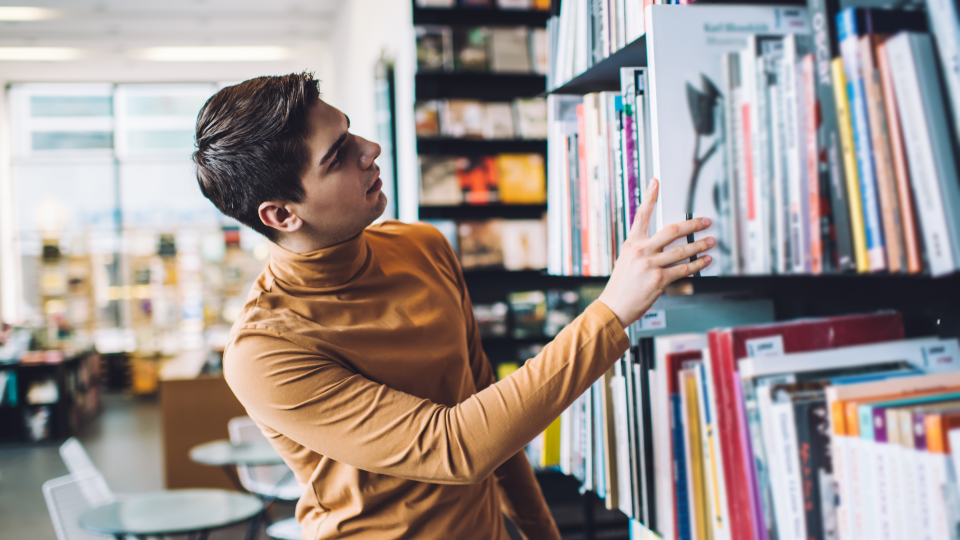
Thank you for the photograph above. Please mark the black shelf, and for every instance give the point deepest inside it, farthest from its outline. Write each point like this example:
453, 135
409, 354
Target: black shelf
478, 85
480, 17
928, 304
488, 211
605, 75
467, 147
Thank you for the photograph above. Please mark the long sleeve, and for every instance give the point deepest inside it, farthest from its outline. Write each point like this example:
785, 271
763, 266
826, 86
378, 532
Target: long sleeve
327, 408
521, 498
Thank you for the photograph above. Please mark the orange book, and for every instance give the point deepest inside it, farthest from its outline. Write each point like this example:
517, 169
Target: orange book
908, 220
938, 426
478, 179
522, 179
883, 163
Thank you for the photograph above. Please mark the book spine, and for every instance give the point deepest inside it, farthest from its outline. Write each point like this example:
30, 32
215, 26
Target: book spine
721, 513
810, 508
795, 136
841, 470
938, 454
945, 23
583, 184
923, 474
836, 227
630, 155
908, 219
680, 498
731, 72
756, 261
785, 426
812, 127
883, 163
756, 518
850, 167
823, 490
738, 501
850, 52
776, 127
576, 214
920, 122
693, 451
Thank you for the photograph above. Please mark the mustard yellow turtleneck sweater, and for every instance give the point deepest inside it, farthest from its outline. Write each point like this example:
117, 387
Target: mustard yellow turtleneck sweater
362, 364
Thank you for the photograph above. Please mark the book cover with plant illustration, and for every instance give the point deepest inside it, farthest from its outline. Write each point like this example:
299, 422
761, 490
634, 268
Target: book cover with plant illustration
685, 49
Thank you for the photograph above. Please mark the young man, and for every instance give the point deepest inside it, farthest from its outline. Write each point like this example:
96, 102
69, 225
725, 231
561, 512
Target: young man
357, 352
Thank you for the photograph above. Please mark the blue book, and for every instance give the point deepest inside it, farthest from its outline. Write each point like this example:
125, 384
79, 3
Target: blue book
680, 468
853, 23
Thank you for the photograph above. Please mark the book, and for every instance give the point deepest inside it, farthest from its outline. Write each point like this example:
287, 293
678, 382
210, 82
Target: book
908, 219
851, 22
726, 345
522, 178
481, 244
838, 247
434, 48
530, 116
478, 179
945, 25
439, 184
462, 118
929, 146
795, 143
850, 174
539, 53
470, 46
509, 50
524, 244
692, 40
427, 118
498, 121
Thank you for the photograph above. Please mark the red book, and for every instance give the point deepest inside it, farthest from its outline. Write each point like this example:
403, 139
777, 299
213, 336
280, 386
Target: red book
582, 183
729, 345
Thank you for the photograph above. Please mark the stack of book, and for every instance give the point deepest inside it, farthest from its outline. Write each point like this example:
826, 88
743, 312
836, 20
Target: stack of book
720, 425
587, 31
523, 118
496, 243
814, 148
504, 179
499, 49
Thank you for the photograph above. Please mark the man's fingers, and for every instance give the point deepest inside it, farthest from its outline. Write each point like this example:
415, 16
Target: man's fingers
686, 269
684, 251
641, 220
676, 231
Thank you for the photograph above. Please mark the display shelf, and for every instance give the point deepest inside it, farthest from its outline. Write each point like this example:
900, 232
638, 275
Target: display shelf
478, 17
486, 211
928, 304
478, 85
466, 147
605, 75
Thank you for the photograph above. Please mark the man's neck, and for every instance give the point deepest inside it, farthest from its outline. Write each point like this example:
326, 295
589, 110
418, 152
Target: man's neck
308, 243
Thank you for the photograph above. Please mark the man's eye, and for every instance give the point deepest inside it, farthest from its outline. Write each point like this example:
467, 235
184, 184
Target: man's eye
336, 159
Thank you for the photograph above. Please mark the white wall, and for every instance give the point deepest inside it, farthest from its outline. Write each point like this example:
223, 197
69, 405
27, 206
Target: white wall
363, 29
116, 70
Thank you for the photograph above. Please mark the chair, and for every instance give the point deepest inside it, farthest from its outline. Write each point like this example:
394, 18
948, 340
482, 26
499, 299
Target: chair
288, 529
270, 481
67, 498
76, 458
79, 464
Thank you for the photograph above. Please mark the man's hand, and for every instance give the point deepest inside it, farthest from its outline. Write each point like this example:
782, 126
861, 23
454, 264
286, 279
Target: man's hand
642, 272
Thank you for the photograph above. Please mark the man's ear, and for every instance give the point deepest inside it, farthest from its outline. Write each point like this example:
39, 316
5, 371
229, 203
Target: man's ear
279, 216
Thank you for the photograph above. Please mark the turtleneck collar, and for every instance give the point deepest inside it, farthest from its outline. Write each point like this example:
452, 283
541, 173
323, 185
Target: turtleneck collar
324, 268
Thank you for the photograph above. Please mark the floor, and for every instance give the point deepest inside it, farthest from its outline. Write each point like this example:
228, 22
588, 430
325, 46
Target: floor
123, 442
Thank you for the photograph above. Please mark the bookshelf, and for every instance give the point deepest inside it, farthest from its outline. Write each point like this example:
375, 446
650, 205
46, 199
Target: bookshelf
927, 304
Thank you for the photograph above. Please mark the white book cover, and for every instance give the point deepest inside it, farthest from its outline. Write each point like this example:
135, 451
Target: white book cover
685, 45
778, 491
794, 102
946, 26
789, 462
618, 385
779, 212
908, 466
736, 184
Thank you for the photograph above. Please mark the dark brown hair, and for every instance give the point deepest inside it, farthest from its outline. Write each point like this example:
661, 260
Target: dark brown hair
251, 145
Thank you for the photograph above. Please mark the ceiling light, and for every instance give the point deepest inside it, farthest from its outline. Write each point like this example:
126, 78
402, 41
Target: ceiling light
214, 54
23, 13
41, 54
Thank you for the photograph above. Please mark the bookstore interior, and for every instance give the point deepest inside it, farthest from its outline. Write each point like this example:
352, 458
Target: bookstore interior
820, 137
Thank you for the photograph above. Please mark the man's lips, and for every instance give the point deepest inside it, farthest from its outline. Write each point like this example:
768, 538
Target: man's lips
377, 184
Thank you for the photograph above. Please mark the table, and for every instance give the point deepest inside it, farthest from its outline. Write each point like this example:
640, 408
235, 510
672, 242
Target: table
195, 512
225, 454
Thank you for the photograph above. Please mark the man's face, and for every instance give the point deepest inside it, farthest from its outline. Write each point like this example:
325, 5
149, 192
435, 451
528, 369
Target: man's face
341, 182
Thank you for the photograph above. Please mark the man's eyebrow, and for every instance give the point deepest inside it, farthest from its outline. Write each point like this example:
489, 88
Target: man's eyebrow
336, 144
